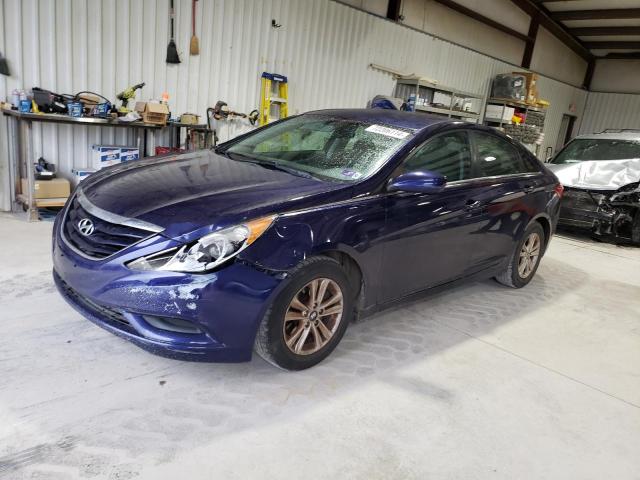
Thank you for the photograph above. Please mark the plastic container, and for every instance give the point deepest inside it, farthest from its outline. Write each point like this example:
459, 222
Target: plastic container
25, 106
411, 103
15, 98
74, 109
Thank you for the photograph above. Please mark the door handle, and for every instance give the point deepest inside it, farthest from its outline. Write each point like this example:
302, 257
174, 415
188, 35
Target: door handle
473, 205
529, 188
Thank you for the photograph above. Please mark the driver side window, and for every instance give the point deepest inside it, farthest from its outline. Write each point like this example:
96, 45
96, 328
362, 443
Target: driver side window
448, 154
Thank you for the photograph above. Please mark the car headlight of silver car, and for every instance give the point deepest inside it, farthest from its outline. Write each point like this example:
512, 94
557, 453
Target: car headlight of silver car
208, 252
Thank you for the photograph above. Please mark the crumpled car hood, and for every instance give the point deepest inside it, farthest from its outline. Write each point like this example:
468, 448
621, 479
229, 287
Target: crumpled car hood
598, 174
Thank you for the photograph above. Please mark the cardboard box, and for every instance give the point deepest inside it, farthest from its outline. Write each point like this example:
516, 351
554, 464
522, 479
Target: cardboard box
104, 156
54, 188
129, 153
495, 112
154, 113
107, 155
80, 174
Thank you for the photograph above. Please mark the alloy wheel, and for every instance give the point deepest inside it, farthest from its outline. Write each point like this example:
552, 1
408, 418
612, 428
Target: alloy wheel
313, 316
529, 255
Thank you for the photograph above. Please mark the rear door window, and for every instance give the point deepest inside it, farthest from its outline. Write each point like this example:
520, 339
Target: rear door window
495, 156
448, 154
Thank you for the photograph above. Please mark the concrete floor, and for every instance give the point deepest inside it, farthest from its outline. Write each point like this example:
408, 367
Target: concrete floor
478, 382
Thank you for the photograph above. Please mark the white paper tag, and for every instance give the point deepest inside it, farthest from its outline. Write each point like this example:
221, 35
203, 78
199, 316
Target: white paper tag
389, 132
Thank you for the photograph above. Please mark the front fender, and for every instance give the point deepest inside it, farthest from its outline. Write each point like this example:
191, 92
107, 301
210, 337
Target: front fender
352, 227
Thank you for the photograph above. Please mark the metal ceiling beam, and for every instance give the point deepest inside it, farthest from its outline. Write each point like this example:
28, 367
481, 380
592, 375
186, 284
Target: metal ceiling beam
621, 56
588, 74
610, 13
600, 31
613, 45
533, 9
534, 24
393, 10
486, 20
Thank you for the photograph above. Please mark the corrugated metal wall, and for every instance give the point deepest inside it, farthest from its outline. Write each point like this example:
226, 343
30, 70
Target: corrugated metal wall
322, 46
610, 110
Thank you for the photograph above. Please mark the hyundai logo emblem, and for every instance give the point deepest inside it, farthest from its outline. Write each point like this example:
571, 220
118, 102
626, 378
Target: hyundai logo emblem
86, 227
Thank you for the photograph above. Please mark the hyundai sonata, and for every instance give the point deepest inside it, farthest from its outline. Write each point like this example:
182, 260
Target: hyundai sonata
277, 239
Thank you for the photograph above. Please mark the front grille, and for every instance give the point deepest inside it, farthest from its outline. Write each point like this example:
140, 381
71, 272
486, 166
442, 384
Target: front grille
106, 239
106, 313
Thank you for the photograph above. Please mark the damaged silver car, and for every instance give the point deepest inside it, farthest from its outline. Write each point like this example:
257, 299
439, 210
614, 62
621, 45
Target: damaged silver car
601, 177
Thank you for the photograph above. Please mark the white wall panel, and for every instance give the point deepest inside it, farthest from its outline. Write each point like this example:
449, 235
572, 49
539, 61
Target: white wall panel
553, 58
610, 110
622, 76
323, 47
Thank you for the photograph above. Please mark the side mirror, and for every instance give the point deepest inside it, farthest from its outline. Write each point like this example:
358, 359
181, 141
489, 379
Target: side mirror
549, 154
418, 182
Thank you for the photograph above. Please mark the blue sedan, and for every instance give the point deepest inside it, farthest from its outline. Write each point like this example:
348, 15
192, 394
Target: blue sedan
276, 240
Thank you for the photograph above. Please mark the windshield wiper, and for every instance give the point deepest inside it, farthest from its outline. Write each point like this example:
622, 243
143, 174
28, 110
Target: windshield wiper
273, 165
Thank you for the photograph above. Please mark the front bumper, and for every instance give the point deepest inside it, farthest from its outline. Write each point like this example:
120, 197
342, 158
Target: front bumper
583, 209
204, 317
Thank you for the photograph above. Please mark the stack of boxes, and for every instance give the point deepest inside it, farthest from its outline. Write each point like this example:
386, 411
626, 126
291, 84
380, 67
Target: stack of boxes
105, 156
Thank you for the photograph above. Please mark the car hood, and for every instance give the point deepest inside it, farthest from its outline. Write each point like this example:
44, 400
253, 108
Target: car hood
597, 174
185, 193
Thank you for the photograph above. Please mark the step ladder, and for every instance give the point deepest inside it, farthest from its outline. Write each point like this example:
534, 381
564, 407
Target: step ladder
274, 98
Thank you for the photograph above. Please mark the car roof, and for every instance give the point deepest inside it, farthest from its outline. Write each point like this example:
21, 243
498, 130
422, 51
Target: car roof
393, 118
633, 135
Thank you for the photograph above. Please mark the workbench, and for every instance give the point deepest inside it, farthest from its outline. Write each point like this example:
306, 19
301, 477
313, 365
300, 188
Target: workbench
21, 155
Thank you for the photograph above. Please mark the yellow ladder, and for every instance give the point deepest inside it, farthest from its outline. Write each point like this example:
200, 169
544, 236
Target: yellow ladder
274, 95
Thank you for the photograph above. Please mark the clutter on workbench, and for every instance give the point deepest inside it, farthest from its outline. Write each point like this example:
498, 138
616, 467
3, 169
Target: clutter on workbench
49, 102
153, 112
189, 118
75, 109
126, 95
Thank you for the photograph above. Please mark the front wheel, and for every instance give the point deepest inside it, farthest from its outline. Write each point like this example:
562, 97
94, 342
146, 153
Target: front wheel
525, 259
308, 318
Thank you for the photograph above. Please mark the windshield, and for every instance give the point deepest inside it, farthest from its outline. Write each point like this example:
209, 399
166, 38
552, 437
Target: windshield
324, 147
585, 149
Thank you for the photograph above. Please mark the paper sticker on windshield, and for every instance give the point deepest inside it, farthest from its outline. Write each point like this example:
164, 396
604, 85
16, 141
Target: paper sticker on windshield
347, 172
389, 132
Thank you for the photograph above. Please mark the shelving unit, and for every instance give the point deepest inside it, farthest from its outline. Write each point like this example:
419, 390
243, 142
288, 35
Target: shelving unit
439, 99
533, 125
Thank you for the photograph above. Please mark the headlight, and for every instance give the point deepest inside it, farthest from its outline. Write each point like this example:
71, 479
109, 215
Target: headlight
207, 253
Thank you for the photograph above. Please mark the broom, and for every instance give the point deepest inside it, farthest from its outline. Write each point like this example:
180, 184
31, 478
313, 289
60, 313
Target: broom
194, 48
4, 66
172, 51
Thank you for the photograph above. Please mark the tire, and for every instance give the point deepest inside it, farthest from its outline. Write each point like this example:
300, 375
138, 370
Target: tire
635, 228
514, 276
276, 340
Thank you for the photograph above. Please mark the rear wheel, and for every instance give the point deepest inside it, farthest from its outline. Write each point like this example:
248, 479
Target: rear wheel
308, 318
635, 228
525, 259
